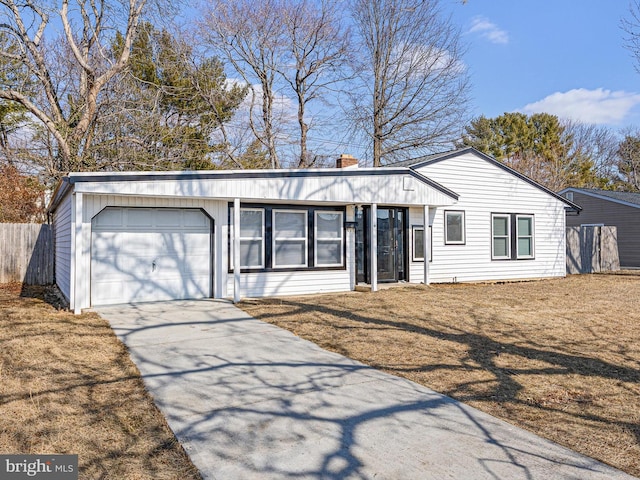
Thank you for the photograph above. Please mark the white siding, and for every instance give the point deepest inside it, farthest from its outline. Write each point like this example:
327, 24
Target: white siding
485, 188
363, 189
62, 242
267, 284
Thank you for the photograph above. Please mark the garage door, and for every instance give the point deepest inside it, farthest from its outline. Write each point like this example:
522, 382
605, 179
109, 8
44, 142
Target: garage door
150, 254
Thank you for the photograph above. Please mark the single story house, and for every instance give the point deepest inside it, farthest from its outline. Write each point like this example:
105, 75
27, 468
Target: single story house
608, 208
125, 237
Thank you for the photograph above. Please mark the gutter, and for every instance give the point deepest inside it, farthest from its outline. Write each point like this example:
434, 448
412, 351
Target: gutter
58, 194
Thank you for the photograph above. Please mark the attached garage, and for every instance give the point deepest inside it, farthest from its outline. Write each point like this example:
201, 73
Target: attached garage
150, 254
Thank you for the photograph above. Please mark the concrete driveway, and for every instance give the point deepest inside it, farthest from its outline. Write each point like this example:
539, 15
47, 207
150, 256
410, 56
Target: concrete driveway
248, 400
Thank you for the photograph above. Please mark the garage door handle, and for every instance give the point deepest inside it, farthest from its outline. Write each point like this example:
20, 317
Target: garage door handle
153, 266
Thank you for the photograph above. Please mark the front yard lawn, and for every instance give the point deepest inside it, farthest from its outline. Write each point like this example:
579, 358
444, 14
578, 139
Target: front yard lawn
67, 385
560, 357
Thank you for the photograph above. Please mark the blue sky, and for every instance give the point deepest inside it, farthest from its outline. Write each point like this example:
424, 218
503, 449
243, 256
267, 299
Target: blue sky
563, 57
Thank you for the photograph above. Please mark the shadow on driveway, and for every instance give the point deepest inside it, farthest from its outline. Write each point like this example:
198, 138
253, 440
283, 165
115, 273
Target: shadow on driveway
249, 400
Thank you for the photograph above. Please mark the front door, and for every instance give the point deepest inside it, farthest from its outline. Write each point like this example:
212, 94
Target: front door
391, 237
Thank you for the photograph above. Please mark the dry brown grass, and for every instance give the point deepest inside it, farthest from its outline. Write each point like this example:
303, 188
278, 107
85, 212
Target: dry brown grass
67, 385
558, 357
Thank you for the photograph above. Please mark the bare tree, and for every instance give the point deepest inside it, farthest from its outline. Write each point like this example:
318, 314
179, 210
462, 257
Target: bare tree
318, 47
65, 77
631, 26
251, 35
597, 144
628, 161
413, 92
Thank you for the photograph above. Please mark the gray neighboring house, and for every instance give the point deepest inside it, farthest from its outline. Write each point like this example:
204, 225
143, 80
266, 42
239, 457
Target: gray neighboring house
619, 209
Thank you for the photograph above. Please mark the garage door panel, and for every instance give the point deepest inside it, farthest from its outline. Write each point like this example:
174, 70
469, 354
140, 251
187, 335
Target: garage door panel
139, 217
193, 218
105, 244
163, 259
109, 218
171, 218
124, 269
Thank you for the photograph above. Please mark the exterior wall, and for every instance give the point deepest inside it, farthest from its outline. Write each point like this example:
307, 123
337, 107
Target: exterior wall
274, 283
252, 284
268, 284
62, 245
624, 217
484, 189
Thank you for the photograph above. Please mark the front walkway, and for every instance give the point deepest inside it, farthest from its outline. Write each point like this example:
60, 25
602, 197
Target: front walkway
248, 400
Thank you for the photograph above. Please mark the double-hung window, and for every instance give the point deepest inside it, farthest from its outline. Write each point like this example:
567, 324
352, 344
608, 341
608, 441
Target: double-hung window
329, 238
453, 228
290, 238
524, 233
501, 237
512, 236
251, 238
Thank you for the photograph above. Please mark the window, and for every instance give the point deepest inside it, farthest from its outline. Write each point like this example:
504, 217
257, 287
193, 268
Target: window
328, 238
294, 237
512, 237
501, 237
525, 236
453, 228
251, 238
569, 196
289, 238
418, 243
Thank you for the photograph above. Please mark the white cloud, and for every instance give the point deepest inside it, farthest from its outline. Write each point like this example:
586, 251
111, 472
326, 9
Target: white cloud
598, 106
489, 30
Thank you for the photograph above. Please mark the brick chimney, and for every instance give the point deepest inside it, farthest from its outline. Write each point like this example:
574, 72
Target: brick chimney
346, 161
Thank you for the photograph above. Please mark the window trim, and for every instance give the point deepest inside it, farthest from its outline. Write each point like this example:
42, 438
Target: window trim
420, 257
463, 228
275, 239
512, 237
317, 238
532, 236
508, 236
262, 238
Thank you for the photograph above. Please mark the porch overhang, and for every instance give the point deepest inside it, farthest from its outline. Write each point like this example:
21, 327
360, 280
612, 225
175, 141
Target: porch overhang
394, 186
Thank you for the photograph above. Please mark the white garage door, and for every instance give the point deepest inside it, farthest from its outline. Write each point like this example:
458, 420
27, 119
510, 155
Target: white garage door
150, 254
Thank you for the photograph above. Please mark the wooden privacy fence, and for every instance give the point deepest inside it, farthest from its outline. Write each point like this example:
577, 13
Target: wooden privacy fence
592, 249
26, 253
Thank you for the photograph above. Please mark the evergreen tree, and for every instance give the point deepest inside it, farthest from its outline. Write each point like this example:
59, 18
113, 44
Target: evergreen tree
538, 146
169, 107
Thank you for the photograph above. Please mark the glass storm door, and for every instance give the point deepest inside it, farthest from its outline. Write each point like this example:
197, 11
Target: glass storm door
386, 246
390, 236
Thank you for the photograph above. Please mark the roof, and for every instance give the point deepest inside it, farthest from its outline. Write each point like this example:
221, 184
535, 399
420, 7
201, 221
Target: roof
425, 160
105, 178
630, 199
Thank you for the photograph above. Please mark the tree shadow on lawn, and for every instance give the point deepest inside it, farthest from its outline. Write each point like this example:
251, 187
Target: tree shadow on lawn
482, 351
67, 386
